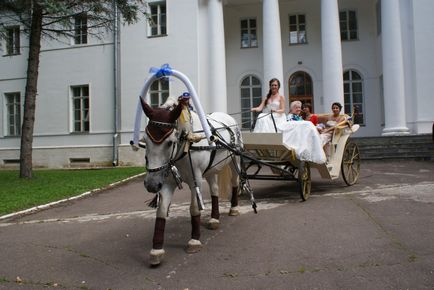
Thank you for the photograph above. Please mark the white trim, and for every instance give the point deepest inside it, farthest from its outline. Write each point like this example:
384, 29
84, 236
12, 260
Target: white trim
3, 103
158, 25
243, 75
303, 68
71, 109
60, 147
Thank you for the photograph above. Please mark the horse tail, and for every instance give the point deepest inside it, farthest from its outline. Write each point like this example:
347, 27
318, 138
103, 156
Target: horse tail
224, 182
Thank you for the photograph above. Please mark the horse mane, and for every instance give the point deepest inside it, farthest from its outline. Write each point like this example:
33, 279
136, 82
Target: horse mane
170, 103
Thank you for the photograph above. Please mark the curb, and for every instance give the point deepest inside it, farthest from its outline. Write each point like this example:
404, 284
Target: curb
48, 205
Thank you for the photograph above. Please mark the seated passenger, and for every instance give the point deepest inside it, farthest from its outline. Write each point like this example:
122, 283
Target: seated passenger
330, 122
303, 137
295, 111
273, 110
308, 114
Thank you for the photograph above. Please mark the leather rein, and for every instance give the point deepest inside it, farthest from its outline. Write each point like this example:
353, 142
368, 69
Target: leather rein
178, 151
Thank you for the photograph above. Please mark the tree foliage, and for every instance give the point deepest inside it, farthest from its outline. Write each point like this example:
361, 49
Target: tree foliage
54, 18
58, 15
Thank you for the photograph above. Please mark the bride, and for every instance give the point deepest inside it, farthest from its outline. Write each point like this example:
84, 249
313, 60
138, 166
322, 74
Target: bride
273, 110
302, 136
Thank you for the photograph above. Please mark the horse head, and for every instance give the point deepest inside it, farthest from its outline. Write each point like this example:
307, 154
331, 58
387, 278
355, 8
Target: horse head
160, 138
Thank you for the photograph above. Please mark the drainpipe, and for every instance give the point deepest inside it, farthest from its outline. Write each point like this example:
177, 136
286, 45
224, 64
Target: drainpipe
116, 82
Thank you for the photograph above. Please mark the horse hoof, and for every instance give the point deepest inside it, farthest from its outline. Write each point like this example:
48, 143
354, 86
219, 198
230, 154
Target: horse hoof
193, 246
213, 224
234, 211
156, 256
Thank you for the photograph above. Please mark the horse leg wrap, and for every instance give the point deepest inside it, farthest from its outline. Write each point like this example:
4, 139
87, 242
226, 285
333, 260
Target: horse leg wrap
158, 240
234, 197
215, 207
195, 227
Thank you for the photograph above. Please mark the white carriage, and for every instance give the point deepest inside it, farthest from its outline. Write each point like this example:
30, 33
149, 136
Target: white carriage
172, 157
267, 150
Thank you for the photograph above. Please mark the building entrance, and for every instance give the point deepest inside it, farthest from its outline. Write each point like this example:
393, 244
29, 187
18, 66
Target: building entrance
301, 88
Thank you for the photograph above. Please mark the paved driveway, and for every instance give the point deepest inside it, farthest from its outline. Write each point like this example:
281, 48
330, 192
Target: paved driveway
377, 234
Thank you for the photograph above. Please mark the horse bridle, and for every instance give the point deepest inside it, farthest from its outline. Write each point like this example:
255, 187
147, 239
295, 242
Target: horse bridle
162, 124
170, 162
169, 166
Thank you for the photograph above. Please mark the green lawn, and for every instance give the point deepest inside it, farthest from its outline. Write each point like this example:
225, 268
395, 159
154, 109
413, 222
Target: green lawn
51, 185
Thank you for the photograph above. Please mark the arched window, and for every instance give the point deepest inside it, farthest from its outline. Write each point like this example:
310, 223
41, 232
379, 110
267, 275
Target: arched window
251, 96
301, 88
159, 91
353, 96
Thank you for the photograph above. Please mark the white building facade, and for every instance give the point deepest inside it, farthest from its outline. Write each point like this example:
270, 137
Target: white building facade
374, 57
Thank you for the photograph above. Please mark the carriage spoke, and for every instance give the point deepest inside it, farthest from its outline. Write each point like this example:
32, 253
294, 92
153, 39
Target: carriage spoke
304, 181
350, 163
350, 173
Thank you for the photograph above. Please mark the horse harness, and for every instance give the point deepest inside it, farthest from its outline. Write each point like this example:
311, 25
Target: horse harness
218, 146
171, 126
185, 146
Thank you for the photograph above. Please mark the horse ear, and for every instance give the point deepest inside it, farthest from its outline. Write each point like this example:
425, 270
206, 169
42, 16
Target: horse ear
175, 113
146, 108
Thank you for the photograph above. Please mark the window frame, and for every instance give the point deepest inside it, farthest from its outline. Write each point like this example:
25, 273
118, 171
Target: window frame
249, 32
351, 92
300, 88
254, 101
80, 29
161, 92
84, 119
161, 18
298, 31
347, 22
13, 40
16, 117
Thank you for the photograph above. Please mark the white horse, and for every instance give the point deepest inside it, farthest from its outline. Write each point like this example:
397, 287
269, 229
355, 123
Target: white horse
172, 157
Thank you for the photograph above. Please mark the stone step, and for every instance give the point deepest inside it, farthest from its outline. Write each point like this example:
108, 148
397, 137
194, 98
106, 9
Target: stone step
420, 147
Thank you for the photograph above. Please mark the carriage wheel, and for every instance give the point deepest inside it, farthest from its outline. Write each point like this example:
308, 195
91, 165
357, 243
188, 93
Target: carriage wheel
304, 182
351, 163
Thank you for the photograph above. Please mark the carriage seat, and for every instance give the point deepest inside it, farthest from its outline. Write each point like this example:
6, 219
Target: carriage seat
344, 127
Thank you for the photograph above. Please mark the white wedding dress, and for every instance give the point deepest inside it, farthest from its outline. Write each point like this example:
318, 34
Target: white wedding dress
264, 122
302, 136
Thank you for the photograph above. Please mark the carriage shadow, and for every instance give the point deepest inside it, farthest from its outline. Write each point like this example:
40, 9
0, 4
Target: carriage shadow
276, 190
266, 189
288, 190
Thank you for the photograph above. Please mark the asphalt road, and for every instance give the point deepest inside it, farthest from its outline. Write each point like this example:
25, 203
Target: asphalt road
377, 234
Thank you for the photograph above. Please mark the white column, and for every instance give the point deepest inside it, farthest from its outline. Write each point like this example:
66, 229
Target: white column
272, 58
393, 69
333, 90
217, 94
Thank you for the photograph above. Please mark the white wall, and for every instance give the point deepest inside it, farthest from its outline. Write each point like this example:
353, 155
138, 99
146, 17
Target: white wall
139, 53
359, 55
61, 69
423, 95
362, 56
185, 49
241, 62
309, 55
61, 66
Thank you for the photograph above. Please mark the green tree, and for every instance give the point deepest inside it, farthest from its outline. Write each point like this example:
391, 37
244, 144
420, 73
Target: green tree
51, 19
